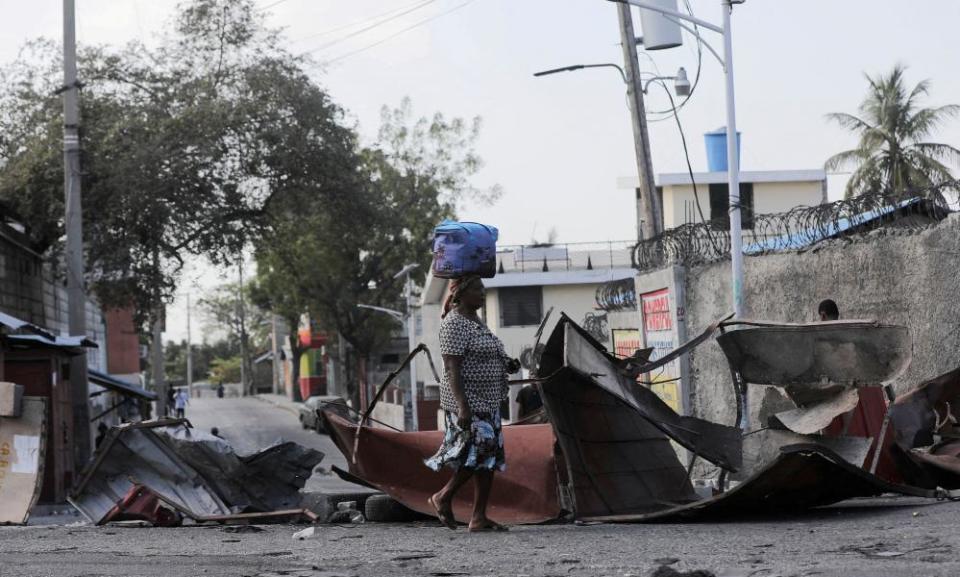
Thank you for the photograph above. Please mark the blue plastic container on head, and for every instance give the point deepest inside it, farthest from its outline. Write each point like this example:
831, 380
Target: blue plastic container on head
464, 248
716, 143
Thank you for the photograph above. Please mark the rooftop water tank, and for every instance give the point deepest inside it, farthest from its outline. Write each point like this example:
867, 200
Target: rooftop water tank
716, 142
660, 32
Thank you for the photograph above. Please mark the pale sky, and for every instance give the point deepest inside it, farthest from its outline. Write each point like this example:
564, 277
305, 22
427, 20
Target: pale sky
557, 144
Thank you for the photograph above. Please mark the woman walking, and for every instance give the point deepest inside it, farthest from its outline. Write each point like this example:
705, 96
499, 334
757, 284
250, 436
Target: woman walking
474, 384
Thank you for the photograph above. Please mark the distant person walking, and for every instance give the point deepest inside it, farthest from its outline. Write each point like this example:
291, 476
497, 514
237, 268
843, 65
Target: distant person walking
180, 402
474, 384
220, 389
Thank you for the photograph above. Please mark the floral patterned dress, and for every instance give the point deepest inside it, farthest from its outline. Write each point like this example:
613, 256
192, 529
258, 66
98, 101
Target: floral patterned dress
484, 379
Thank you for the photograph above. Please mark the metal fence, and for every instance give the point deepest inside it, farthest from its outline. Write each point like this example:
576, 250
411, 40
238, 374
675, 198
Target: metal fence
796, 229
567, 256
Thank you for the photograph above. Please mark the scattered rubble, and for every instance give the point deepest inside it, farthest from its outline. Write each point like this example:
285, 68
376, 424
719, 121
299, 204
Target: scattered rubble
165, 471
606, 453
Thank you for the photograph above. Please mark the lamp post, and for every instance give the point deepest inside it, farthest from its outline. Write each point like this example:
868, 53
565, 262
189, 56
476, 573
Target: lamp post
733, 161
648, 210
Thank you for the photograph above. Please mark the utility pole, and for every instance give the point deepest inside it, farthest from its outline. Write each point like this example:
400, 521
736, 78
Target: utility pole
189, 352
411, 340
648, 224
76, 299
159, 377
274, 345
242, 315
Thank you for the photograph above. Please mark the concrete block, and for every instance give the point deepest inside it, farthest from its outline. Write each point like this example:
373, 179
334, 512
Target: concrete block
11, 399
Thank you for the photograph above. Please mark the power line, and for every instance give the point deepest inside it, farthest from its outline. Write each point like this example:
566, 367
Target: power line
399, 32
363, 21
335, 41
269, 6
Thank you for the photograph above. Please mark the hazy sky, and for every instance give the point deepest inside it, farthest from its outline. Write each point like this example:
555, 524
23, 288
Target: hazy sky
557, 144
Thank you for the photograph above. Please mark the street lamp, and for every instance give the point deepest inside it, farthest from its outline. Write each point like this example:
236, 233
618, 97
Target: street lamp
681, 85
733, 162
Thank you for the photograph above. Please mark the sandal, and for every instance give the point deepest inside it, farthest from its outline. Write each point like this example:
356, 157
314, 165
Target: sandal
444, 515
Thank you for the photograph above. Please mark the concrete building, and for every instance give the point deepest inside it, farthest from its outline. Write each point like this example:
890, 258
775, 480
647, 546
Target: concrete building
761, 192
531, 280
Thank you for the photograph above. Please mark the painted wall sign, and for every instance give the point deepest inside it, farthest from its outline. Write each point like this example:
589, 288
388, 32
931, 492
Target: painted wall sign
659, 332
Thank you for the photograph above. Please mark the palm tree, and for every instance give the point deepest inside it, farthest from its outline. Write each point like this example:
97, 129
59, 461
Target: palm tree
892, 156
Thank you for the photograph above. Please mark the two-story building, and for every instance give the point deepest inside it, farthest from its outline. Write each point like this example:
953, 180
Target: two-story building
761, 192
530, 282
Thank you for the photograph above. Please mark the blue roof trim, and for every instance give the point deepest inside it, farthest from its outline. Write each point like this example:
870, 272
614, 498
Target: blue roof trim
811, 236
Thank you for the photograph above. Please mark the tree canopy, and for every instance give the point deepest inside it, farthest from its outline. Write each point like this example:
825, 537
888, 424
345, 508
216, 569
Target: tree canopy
893, 155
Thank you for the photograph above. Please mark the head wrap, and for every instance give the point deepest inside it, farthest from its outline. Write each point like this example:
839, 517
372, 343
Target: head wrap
457, 287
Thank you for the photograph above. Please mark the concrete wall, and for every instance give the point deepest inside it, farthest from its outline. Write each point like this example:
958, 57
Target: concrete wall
891, 275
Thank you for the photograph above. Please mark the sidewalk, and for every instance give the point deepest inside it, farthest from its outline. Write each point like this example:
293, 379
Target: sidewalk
280, 401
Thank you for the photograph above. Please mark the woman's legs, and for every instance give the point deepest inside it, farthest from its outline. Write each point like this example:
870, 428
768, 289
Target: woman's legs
443, 499
484, 483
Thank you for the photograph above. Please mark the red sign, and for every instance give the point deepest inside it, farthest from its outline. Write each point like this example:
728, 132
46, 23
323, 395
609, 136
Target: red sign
656, 311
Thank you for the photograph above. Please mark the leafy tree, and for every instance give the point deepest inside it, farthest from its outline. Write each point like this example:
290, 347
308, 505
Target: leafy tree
893, 155
172, 145
336, 255
228, 308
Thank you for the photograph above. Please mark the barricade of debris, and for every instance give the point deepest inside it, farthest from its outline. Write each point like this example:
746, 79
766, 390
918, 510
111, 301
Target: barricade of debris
607, 450
167, 473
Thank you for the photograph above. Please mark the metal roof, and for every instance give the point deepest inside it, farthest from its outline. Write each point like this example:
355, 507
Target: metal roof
122, 387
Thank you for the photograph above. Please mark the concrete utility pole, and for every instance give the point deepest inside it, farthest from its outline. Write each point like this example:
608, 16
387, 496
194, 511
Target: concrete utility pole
159, 376
242, 315
649, 217
76, 297
189, 352
275, 350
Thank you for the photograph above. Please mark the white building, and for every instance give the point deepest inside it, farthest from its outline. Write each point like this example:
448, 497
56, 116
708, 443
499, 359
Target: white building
530, 281
761, 192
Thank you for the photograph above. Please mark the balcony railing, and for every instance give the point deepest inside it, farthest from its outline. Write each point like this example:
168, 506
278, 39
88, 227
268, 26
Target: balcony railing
565, 257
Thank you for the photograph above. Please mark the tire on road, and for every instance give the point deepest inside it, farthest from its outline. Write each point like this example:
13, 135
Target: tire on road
386, 509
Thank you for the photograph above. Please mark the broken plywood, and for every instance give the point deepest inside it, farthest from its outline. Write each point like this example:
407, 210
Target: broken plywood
22, 451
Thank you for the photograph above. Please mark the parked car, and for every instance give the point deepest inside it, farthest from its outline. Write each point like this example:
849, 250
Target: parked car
309, 410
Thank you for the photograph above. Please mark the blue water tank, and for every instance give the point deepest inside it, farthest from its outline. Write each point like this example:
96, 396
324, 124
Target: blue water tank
716, 142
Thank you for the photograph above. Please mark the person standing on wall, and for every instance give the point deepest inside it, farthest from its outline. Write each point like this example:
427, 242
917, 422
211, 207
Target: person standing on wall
473, 386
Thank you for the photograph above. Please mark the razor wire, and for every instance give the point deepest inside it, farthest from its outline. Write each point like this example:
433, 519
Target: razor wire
798, 228
618, 295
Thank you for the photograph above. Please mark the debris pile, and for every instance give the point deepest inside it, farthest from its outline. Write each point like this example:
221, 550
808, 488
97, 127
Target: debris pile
607, 450
164, 472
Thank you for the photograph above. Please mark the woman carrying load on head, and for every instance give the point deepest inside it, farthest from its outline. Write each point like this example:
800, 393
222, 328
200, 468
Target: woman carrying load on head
474, 384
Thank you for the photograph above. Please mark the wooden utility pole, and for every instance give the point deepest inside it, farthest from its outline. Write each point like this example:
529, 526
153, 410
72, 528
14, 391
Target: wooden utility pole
76, 297
648, 225
242, 315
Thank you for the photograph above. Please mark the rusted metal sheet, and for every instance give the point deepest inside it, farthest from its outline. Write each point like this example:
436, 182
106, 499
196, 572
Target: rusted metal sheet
192, 471
392, 462
801, 477
919, 420
615, 434
571, 348
816, 361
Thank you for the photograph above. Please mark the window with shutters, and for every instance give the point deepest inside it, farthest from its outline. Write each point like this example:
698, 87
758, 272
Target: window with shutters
520, 306
720, 205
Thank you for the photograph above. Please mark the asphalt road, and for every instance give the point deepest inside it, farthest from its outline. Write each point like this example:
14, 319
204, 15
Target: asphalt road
863, 538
